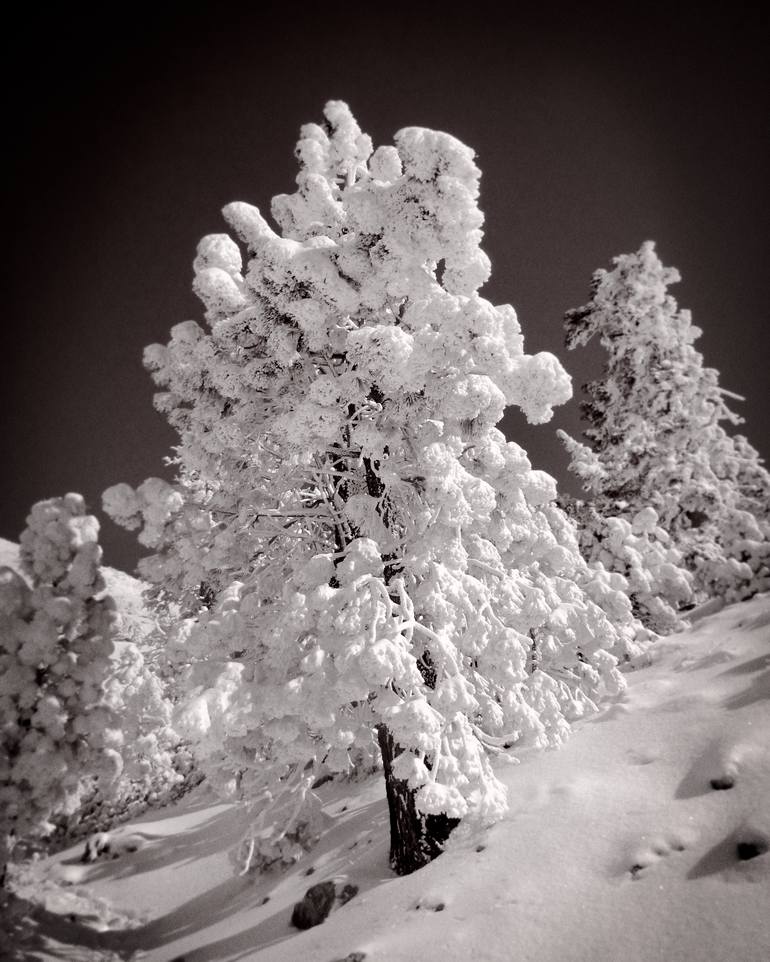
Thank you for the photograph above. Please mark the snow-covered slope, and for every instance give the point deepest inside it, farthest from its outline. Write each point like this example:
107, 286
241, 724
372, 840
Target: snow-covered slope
9, 553
644, 838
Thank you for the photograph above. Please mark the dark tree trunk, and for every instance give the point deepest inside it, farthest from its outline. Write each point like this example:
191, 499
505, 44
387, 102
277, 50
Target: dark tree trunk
415, 839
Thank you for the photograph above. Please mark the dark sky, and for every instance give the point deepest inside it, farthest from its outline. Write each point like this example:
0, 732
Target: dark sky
595, 129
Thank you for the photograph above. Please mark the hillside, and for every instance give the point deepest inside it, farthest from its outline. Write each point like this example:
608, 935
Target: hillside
645, 838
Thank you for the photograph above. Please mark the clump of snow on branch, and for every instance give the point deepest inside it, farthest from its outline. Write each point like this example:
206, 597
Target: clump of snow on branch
355, 544
657, 441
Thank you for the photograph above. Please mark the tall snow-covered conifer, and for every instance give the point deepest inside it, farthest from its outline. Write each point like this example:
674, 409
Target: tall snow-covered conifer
657, 440
367, 565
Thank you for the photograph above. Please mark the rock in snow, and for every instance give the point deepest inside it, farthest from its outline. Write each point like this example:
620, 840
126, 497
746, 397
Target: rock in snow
318, 902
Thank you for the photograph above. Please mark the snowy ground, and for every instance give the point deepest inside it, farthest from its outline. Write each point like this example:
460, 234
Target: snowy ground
645, 838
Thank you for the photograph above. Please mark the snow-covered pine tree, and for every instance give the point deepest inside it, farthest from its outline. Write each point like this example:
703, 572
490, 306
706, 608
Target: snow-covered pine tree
56, 638
366, 562
657, 439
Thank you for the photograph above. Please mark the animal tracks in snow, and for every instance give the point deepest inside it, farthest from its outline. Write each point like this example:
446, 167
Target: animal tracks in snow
653, 848
717, 770
728, 763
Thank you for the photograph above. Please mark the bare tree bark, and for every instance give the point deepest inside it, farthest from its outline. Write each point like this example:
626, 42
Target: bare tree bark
415, 839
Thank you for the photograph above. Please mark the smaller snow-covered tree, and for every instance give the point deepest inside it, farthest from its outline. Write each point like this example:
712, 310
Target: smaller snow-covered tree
56, 638
657, 440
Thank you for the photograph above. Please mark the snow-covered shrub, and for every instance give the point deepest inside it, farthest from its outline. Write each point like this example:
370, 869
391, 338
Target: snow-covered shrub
56, 640
657, 439
641, 551
157, 765
365, 562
